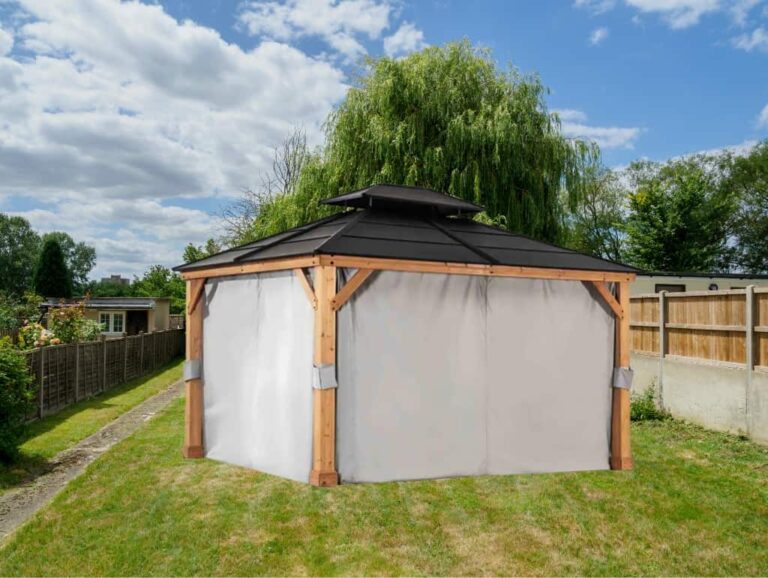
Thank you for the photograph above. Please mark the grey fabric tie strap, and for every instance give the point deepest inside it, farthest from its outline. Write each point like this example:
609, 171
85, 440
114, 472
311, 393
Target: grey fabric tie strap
192, 369
622, 377
324, 376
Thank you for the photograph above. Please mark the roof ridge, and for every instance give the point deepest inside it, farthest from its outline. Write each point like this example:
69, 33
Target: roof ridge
337, 234
294, 233
467, 244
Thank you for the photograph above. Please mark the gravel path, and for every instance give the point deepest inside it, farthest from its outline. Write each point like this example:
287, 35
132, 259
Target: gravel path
18, 505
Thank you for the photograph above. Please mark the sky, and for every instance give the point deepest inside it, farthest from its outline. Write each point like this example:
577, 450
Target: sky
131, 125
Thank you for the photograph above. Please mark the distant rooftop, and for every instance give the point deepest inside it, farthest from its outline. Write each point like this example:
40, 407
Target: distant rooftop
117, 303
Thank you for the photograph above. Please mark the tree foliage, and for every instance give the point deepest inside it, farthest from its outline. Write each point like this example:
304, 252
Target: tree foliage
19, 248
596, 225
680, 216
52, 278
749, 181
444, 118
159, 281
16, 393
194, 253
79, 257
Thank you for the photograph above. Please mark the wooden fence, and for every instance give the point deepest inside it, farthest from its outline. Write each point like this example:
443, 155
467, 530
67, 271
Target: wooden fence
176, 321
66, 374
724, 326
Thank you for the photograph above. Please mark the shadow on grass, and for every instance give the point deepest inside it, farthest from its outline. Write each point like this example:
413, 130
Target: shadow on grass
31, 464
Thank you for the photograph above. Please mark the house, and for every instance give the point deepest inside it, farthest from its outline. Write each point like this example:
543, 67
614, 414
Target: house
654, 282
398, 340
117, 280
122, 315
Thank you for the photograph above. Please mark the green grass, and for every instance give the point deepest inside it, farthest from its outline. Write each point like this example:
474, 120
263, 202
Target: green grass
47, 437
696, 504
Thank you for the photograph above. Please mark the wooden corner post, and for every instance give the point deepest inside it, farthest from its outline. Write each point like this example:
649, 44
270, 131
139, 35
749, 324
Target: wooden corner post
621, 450
324, 400
193, 417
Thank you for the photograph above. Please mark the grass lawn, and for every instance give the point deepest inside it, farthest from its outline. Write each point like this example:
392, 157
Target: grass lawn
697, 503
47, 437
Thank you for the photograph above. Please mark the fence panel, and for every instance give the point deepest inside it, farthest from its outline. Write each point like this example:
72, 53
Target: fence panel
65, 374
709, 325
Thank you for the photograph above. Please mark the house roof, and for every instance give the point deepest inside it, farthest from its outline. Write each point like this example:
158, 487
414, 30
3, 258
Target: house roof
409, 224
114, 303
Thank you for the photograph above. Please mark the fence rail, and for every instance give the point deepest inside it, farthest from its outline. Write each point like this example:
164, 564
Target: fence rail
724, 326
66, 374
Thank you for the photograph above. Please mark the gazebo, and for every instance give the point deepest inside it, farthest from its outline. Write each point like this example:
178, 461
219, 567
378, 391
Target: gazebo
400, 339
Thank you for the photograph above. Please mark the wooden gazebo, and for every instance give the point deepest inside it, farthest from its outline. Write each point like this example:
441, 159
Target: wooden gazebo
409, 235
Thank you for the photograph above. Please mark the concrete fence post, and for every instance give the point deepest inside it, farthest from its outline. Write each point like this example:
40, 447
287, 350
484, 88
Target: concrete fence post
662, 343
749, 348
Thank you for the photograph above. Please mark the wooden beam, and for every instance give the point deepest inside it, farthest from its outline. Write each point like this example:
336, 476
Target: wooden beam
193, 411
472, 269
621, 450
194, 299
608, 298
304, 279
324, 400
346, 292
253, 267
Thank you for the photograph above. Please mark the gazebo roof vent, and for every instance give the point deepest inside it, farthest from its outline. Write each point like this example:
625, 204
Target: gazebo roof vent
406, 199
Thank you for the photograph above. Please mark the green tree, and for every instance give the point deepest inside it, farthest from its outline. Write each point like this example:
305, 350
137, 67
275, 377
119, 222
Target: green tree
444, 118
19, 248
596, 226
196, 252
52, 278
681, 214
159, 281
749, 181
79, 257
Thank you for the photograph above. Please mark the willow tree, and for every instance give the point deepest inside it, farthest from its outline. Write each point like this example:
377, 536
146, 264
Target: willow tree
448, 119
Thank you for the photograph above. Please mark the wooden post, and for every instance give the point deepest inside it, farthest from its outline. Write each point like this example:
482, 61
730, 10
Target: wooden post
324, 400
125, 358
141, 355
77, 371
103, 363
193, 412
621, 451
41, 381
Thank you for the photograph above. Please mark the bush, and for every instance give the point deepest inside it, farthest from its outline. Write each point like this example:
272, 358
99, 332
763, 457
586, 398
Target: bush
644, 406
16, 394
33, 335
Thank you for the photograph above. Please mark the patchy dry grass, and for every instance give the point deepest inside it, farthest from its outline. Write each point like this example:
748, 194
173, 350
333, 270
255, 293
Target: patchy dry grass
49, 436
696, 504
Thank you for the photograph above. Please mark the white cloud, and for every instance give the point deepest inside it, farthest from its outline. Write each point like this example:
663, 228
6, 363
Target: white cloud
6, 42
598, 35
338, 22
407, 38
762, 118
117, 112
573, 124
756, 40
595, 6
678, 14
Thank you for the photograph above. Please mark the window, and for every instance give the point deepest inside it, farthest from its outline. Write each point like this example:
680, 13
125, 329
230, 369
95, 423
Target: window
112, 322
670, 288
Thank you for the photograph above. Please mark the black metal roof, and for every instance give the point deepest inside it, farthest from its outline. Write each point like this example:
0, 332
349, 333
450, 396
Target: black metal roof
407, 230
398, 198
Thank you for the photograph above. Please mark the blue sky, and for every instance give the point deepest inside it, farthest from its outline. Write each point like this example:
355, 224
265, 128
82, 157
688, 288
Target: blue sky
129, 125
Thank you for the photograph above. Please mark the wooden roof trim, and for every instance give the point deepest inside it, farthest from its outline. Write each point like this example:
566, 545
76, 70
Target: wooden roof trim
473, 269
252, 267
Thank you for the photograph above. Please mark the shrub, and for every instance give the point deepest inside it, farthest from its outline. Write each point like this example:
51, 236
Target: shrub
90, 330
16, 393
644, 406
35, 335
